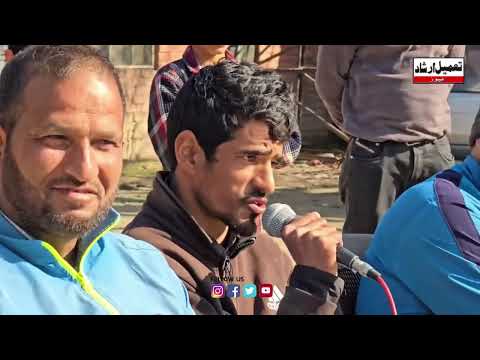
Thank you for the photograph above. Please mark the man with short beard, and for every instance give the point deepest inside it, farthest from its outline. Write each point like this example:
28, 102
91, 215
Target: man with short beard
230, 125
61, 130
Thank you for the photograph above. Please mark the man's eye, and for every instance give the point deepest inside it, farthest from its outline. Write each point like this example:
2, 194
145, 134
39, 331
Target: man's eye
278, 164
250, 157
104, 144
55, 141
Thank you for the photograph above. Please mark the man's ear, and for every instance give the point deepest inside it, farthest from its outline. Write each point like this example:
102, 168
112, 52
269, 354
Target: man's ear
188, 152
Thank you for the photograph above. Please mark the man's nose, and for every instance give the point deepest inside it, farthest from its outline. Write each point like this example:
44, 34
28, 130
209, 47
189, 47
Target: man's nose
81, 162
264, 179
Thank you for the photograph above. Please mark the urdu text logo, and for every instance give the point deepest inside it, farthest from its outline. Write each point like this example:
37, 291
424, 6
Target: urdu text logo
438, 71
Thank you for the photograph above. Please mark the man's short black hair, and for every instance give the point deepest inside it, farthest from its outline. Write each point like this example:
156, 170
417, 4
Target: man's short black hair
17, 48
222, 98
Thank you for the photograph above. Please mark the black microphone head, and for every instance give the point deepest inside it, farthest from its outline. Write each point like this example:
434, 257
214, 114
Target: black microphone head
276, 217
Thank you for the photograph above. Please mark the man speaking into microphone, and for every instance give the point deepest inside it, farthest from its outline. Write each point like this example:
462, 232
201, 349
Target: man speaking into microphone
229, 127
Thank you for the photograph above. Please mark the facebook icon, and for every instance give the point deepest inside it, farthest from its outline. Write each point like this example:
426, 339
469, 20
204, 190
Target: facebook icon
233, 291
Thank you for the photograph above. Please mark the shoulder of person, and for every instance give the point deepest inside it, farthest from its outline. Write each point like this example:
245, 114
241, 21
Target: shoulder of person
183, 262
422, 193
172, 71
144, 256
129, 242
157, 238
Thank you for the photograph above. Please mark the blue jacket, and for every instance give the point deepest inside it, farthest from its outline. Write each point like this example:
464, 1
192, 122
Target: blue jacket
427, 247
117, 275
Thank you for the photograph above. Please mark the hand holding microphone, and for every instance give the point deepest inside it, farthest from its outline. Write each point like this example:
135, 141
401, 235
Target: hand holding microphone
314, 243
310, 239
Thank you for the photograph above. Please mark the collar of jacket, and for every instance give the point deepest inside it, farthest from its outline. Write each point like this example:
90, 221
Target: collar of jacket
39, 252
169, 215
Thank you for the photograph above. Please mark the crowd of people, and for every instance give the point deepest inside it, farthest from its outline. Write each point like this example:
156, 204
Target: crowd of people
220, 128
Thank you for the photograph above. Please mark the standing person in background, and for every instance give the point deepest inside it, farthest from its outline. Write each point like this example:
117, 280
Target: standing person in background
13, 50
398, 128
167, 83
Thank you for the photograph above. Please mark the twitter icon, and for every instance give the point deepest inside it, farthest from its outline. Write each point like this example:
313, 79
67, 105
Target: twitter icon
249, 291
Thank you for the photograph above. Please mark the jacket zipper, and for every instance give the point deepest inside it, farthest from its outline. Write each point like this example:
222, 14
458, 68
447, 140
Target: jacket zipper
79, 277
236, 248
227, 268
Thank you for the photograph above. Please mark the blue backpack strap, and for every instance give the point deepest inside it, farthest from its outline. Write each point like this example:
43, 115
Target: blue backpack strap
455, 212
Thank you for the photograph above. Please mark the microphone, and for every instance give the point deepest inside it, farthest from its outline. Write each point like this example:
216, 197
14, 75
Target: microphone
277, 216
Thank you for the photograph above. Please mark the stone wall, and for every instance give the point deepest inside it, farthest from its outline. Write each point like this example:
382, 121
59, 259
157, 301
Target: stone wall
167, 53
136, 84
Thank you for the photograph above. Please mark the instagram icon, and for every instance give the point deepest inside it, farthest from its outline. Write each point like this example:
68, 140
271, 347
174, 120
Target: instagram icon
218, 291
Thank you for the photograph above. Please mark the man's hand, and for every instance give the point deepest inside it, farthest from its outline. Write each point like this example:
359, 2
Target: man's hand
313, 242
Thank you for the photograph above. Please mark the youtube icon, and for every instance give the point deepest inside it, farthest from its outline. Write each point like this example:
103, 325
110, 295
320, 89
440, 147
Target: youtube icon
266, 290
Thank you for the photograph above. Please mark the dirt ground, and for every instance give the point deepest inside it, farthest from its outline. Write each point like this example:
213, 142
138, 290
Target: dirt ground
311, 184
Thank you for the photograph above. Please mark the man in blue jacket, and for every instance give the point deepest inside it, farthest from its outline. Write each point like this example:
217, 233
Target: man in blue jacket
61, 130
428, 245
